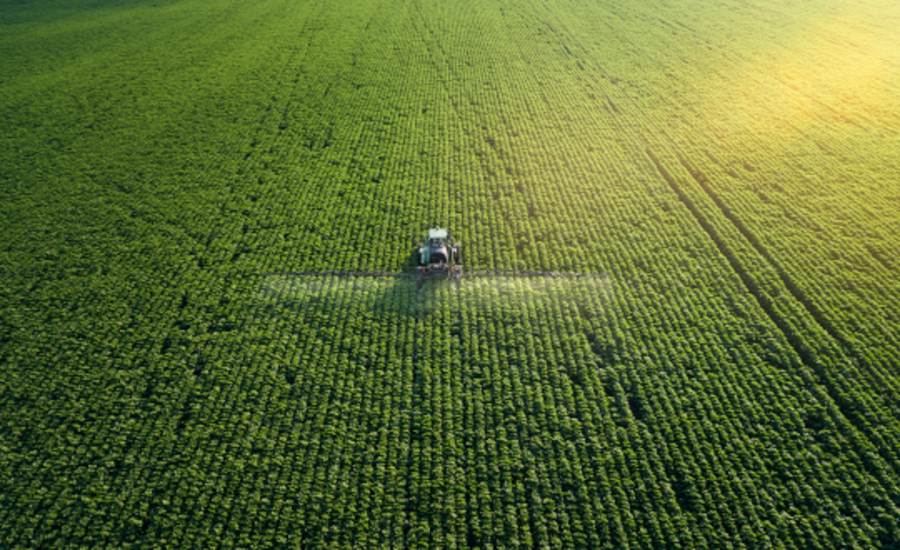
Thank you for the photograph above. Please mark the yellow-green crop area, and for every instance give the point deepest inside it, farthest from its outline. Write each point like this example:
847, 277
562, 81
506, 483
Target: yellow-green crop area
732, 165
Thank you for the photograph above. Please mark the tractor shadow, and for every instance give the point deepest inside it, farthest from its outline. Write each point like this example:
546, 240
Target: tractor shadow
333, 295
381, 296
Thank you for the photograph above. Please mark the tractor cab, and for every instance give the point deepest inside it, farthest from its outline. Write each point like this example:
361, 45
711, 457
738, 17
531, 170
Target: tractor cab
438, 253
437, 248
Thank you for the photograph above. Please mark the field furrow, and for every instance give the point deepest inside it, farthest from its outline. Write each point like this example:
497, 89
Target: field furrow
728, 166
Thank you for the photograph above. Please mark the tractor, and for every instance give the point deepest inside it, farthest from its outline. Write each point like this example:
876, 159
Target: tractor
438, 258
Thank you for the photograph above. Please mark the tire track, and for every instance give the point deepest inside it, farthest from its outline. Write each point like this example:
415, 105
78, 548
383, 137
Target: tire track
840, 389
795, 291
860, 411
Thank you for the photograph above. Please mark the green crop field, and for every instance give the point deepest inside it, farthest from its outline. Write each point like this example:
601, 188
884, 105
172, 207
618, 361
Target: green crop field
733, 166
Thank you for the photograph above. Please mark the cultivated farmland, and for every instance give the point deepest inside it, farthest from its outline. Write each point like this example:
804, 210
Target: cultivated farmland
732, 166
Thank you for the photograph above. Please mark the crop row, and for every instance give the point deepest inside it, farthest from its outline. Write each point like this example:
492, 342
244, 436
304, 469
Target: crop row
157, 387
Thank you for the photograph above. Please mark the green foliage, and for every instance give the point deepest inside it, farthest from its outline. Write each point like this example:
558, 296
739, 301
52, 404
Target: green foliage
733, 383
